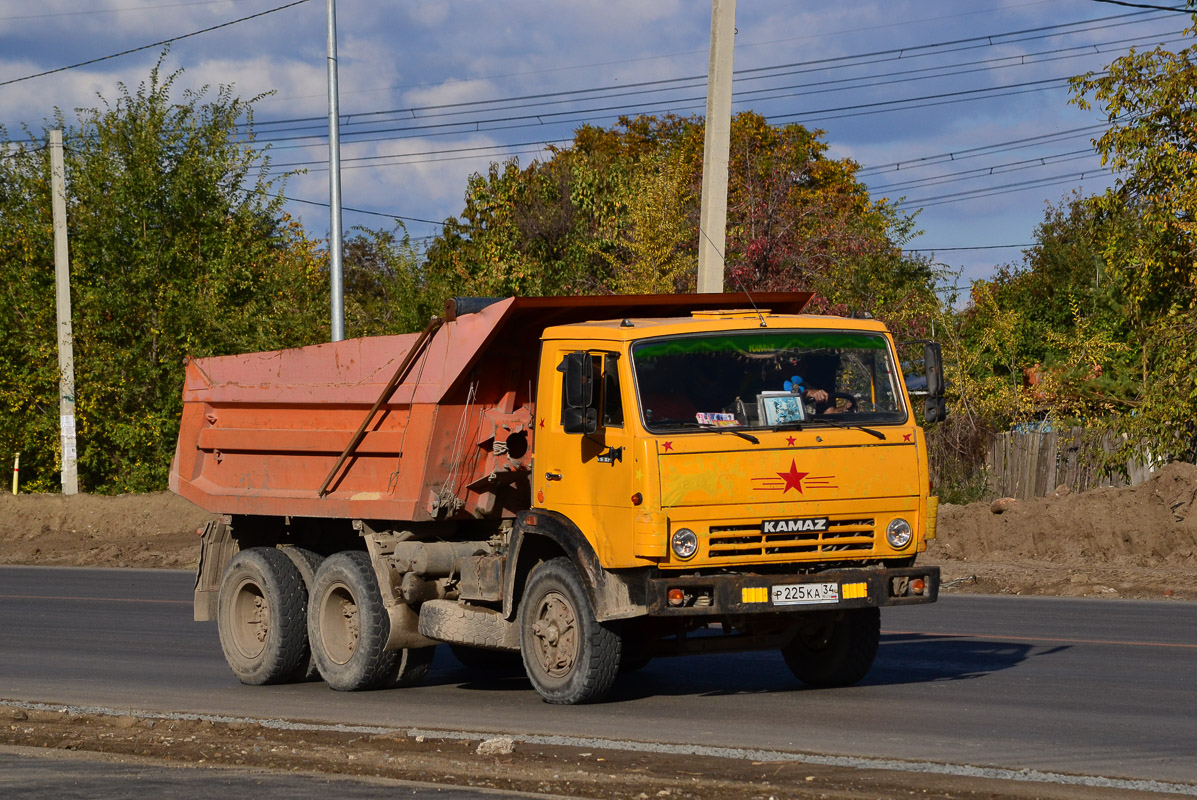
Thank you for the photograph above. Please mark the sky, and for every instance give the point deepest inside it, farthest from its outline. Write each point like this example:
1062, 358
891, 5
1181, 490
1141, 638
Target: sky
959, 109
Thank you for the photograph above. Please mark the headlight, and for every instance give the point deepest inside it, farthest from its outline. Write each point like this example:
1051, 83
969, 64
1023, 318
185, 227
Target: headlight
684, 543
899, 533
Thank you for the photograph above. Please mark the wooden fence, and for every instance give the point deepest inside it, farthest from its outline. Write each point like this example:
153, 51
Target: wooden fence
1026, 465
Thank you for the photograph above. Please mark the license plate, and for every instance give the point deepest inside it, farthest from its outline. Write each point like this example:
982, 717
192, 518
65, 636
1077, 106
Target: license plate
795, 594
799, 525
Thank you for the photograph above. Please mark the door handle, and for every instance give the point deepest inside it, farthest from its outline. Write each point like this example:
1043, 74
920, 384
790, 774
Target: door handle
552, 476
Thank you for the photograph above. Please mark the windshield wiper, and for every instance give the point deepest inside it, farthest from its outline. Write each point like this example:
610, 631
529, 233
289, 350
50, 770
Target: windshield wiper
747, 436
845, 425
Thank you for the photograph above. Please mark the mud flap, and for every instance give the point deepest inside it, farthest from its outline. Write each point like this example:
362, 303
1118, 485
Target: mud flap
217, 548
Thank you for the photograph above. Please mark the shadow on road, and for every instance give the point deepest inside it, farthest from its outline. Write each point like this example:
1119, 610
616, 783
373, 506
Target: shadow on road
920, 657
904, 658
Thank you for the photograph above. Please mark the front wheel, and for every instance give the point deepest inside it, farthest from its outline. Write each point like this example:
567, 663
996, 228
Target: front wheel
836, 651
570, 657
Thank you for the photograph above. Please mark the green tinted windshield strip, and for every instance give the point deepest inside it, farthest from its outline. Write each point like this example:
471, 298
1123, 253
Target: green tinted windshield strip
759, 343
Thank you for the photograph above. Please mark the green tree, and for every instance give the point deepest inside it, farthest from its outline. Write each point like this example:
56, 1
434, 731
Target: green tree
617, 210
386, 287
1149, 99
179, 247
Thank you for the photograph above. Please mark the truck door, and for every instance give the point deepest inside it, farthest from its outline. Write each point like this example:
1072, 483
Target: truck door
584, 463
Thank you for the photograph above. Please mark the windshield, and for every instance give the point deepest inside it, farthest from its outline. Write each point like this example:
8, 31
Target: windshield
766, 379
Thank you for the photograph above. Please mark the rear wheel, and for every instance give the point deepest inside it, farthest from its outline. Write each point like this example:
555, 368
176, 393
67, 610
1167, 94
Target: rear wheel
837, 651
569, 656
307, 562
348, 626
261, 617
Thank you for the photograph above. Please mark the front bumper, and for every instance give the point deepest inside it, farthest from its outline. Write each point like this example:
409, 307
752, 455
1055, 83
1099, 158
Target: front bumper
749, 593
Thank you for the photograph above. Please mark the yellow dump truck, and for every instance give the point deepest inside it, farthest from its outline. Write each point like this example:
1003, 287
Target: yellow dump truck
589, 483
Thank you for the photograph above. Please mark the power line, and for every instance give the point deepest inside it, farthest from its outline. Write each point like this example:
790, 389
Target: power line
541, 143
759, 73
1142, 5
987, 149
364, 211
112, 10
982, 172
864, 82
1007, 188
577, 116
155, 44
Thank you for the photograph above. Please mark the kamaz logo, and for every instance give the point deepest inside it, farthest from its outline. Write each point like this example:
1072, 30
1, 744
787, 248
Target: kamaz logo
794, 525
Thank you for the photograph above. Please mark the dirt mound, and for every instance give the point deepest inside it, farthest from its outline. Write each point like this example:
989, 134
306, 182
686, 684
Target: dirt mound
1132, 542
131, 530
1139, 541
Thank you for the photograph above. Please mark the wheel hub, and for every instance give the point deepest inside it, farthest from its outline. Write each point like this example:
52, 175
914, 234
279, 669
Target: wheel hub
251, 612
556, 634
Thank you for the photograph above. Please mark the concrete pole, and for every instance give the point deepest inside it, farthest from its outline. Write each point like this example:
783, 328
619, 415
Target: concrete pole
712, 236
335, 248
66, 337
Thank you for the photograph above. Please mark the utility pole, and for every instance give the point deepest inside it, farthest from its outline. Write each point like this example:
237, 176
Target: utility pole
66, 337
335, 253
712, 231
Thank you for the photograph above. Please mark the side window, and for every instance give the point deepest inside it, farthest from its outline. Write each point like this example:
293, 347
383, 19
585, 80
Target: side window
612, 398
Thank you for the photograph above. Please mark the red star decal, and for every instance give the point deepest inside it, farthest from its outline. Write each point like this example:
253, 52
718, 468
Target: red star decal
907, 436
793, 478
666, 446
790, 441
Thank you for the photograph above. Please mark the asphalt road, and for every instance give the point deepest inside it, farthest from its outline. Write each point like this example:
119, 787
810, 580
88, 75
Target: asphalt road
1092, 687
32, 774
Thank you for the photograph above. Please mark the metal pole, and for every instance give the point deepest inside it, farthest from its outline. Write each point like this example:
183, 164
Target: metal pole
66, 338
335, 253
712, 232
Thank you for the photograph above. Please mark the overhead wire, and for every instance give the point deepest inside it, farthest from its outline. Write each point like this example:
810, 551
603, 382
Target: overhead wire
155, 44
904, 76
759, 73
768, 72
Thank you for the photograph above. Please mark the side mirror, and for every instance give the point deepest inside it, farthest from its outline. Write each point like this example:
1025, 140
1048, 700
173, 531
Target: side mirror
933, 363
580, 420
578, 415
935, 409
579, 379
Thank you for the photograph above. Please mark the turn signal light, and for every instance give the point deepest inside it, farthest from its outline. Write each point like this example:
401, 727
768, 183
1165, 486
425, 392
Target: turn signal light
676, 597
918, 586
637, 499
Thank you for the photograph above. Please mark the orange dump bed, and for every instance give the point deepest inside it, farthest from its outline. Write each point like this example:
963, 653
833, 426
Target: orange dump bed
263, 433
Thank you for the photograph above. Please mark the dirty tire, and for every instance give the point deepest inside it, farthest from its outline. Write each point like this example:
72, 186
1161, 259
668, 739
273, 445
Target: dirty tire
569, 656
348, 626
839, 653
411, 667
462, 624
483, 659
307, 562
261, 617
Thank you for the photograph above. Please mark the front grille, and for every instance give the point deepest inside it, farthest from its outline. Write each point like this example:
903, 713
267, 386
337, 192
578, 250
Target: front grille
747, 541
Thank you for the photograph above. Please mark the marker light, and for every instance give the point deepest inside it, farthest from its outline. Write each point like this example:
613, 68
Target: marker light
676, 597
918, 586
684, 543
899, 533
